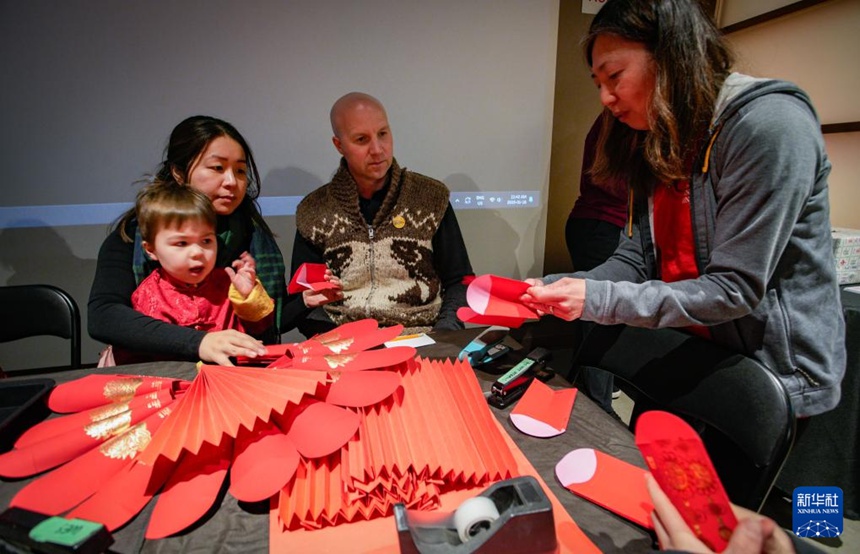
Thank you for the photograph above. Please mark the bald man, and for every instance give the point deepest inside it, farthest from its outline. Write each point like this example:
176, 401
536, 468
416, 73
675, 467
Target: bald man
389, 235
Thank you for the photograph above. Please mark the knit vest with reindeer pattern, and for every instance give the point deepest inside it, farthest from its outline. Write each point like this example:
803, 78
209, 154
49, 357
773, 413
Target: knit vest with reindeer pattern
387, 268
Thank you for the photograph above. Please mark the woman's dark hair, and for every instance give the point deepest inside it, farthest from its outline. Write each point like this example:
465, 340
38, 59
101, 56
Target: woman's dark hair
691, 62
187, 142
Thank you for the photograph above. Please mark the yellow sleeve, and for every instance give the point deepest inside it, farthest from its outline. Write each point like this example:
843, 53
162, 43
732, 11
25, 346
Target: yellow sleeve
254, 308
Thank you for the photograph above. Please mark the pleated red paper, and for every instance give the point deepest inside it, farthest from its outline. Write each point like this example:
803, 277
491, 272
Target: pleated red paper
222, 399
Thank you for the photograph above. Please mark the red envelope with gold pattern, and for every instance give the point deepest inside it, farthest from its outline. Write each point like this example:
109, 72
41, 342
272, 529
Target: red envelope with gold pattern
309, 276
681, 466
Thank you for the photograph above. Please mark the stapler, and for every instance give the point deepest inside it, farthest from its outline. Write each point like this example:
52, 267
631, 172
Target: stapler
486, 347
512, 385
510, 517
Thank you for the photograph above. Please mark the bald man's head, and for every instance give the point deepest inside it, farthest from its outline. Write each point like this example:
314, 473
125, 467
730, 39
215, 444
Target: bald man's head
350, 102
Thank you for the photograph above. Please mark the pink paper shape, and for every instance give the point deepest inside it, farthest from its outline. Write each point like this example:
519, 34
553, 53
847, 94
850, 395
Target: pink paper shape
542, 411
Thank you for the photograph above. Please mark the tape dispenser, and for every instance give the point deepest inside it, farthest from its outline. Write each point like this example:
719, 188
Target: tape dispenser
510, 517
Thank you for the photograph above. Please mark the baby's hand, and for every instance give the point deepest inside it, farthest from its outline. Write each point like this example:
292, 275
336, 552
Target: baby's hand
243, 274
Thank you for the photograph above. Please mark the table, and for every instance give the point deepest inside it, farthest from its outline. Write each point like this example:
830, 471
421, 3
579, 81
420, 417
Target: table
242, 527
827, 453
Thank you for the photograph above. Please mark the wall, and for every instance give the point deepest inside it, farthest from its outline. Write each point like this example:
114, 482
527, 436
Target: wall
93, 87
577, 104
817, 48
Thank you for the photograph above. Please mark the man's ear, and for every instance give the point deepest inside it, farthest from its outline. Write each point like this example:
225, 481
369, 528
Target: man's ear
337, 145
150, 251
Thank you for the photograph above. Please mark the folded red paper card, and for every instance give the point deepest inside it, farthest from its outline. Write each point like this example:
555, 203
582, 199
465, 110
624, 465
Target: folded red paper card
495, 300
681, 466
607, 481
542, 411
309, 276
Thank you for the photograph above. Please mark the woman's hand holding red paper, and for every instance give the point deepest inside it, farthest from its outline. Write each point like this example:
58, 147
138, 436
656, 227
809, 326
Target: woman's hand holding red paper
315, 299
563, 299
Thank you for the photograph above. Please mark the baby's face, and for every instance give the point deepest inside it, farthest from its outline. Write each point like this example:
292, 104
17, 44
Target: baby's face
186, 251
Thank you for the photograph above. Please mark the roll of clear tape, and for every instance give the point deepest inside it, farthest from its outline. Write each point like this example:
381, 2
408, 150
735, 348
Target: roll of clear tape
474, 516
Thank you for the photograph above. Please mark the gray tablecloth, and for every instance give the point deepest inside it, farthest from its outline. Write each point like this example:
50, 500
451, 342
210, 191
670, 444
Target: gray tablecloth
241, 528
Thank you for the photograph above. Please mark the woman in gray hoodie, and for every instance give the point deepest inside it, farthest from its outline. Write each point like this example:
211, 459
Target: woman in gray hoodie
728, 237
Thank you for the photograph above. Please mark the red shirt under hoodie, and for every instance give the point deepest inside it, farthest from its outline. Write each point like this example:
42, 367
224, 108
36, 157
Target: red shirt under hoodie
673, 238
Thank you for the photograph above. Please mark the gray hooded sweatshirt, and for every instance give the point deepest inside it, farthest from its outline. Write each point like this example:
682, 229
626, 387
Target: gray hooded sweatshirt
761, 223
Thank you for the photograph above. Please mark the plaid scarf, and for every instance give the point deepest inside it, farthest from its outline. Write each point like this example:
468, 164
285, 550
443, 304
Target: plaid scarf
232, 241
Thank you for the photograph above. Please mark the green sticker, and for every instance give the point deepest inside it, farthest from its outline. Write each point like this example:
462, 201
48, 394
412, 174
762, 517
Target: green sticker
516, 371
65, 532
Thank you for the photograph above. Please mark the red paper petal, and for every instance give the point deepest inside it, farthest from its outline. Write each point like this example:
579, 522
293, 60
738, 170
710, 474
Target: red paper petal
75, 422
267, 462
71, 484
468, 315
358, 361
191, 490
322, 429
123, 496
348, 343
57, 450
97, 390
359, 389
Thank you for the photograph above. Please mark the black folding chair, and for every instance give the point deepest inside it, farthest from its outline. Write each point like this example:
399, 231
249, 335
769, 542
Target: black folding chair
41, 310
740, 408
